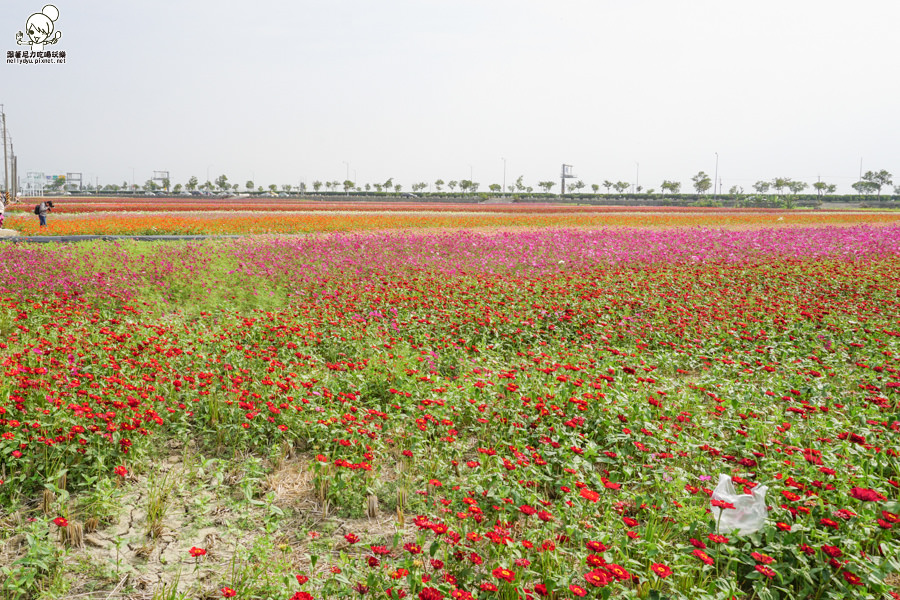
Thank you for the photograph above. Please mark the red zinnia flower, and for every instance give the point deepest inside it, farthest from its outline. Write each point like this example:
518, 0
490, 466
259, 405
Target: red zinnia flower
595, 560
866, 495
597, 578
196, 552
829, 523
765, 571
703, 556
504, 574
430, 593
629, 521
589, 495
618, 571
719, 539
852, 578
595, 546
60, 521
487, 586
351, 538
762, 558
832, 551
661, 570
227, 592
412, 548
577, 590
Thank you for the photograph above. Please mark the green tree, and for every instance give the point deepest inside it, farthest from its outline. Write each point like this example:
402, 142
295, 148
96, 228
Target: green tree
779, 183
379, 187
177, 188
736, 190
273, 188
878, 179
222, 182
577, 186
348, 185
797, 186
595, 187
438, 184
249, 185
317, 185
673, 187
165, 183
191, 185
607, 184
865, 187
546, 186
762, 187
418, 187
621, 186
464, 185
452, 185
389, 184
702, 182
287, 187
58, 183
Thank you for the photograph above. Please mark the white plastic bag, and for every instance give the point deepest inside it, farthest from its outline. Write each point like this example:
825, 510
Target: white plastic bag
749, 512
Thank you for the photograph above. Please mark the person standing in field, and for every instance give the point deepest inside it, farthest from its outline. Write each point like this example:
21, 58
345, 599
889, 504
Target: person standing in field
43, 209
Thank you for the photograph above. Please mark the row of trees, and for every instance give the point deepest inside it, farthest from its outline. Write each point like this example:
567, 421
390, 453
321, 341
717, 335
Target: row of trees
872, 182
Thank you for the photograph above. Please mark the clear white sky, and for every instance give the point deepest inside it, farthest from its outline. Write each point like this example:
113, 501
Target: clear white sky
423, 89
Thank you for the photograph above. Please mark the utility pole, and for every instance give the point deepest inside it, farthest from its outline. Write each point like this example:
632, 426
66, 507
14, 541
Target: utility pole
5, 158
14, 167
716, 177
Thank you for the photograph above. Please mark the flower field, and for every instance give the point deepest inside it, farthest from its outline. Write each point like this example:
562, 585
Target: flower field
509, 414
111, 216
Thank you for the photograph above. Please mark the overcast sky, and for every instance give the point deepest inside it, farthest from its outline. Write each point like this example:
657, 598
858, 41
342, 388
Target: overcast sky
284, 92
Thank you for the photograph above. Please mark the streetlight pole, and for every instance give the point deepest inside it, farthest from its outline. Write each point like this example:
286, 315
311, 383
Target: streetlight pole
716, 178
347, 177
637, 176
503, 191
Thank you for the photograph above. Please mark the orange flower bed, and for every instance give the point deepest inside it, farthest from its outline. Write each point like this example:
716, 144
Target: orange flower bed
225, 222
